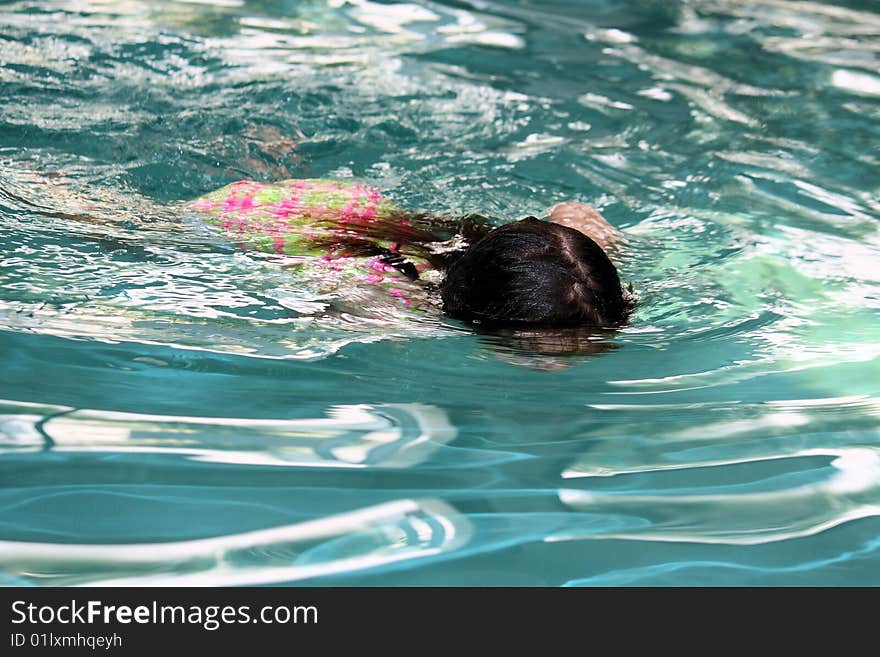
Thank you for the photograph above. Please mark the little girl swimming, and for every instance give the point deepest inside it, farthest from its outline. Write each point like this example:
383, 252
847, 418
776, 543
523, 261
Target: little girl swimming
529, 273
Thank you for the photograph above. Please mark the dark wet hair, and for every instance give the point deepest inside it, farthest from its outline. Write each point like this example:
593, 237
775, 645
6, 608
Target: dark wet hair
530, 272
535, 273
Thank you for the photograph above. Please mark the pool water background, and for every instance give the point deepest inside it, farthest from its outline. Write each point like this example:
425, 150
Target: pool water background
175, 412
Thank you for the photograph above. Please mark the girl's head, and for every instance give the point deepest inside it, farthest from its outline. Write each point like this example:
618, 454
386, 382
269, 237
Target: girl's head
536, 273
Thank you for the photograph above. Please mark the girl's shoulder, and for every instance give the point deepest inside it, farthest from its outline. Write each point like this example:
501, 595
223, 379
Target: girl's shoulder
330, 233
293, 217
298, 195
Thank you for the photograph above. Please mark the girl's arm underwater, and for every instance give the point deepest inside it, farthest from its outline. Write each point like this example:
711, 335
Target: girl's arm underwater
587, 220
339, 235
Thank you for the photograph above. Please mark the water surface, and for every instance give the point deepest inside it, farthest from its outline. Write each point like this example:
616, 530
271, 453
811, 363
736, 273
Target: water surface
174, 411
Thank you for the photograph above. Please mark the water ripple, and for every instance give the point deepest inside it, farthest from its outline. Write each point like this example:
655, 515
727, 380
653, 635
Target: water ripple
373, 537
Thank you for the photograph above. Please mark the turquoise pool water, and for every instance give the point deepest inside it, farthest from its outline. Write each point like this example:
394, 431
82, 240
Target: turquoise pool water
175, 412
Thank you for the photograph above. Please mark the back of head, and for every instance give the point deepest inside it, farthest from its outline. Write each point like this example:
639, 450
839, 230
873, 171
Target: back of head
535, 273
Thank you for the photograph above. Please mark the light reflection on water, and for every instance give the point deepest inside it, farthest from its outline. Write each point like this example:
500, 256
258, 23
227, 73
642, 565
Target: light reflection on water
177, 413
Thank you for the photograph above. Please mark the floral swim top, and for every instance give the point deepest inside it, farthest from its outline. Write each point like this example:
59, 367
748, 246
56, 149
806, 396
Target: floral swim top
302, 221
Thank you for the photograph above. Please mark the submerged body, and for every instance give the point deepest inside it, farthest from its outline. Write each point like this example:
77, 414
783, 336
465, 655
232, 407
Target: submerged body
338, 237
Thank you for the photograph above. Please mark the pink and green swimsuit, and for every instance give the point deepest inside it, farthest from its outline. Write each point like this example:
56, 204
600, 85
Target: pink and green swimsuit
300, 219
